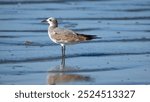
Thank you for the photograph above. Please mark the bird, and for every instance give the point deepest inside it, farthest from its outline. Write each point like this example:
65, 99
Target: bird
64, 36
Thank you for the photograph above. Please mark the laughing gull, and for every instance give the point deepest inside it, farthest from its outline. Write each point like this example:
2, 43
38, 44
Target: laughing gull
64, 36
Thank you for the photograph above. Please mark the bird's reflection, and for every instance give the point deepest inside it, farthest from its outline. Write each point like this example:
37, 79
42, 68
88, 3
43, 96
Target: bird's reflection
62, 74
59, 75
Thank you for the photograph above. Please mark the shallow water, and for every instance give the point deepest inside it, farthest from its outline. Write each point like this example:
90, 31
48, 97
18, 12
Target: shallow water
122, 56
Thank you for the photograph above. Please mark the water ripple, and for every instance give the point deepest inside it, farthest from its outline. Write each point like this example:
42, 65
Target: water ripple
54, 58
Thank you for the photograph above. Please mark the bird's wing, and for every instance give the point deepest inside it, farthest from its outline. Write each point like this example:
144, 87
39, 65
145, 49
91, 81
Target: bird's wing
65, 35
69, 36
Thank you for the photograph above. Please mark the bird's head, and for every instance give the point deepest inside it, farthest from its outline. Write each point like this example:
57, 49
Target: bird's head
51, 21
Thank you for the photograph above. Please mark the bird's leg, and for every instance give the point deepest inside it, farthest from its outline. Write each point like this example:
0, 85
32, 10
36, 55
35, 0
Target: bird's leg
63, 56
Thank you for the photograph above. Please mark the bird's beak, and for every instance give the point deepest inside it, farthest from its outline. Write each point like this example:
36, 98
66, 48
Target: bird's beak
44, 21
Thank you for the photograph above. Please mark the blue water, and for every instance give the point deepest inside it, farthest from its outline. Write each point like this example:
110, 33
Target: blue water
122, 56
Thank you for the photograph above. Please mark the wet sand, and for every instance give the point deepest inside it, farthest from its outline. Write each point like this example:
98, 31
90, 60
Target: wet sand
121, 57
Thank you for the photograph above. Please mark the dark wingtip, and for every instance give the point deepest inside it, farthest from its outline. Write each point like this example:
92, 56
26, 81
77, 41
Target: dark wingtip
90, 37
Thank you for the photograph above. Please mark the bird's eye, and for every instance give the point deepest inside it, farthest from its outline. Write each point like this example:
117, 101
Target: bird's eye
50, 20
